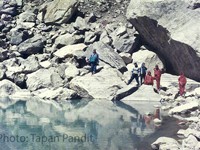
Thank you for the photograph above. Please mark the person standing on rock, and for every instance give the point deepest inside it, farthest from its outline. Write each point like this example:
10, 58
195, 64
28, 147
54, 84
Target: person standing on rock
148, 79
182, 82
143, 70
135, 73
157, 76
94, 60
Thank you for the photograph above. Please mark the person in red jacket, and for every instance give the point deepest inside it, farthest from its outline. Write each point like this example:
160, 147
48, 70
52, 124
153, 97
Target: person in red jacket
157, 76
148, 79
182, 82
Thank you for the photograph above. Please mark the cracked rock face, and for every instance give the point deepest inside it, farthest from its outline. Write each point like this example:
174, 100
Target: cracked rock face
60, 11
172, 34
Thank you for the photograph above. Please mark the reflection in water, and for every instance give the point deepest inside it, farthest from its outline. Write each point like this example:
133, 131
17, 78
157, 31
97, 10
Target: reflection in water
71, 125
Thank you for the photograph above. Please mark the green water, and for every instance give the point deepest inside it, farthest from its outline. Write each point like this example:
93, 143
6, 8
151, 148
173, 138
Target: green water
81, 125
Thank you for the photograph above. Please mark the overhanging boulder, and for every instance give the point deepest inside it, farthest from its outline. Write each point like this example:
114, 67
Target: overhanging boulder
174, 35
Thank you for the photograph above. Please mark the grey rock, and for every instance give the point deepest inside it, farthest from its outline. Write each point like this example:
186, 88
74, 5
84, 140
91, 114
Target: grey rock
189, 143
71, 71
6, 17
18, 37
149, 58
10, 11
173, 38
27, 16
43, 78
122, 41
140, 96
60, 11
2, 25
71, 51
81, 24
32, 46
126, 57
107, 55
11, 91
105, 38
90, 37
67, 39
3, 54
20, 80
109, 79
30, 64
3, 70
56, 94
163, 143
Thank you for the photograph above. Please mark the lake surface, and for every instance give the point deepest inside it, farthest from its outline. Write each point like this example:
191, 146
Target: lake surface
82, 125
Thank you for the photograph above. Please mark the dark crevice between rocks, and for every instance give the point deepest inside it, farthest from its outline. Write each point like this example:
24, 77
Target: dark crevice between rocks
76, 14
196, 6
176, 56
125, 94
137, 44
21, 84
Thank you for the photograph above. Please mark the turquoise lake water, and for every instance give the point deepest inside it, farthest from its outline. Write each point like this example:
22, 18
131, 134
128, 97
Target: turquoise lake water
82, 125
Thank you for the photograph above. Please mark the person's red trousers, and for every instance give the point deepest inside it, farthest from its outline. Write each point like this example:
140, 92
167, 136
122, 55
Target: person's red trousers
181, 89
158, 82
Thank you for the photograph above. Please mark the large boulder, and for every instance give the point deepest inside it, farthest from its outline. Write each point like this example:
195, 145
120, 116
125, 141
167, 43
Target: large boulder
9, 90
171, 83
123, 41
149, 58
190, 142
60, 11
3, 54
184, 107
43, 78
71, 71
140, 96
94, 86
71, 51
56, 94
81, 24
173, 35
67, 39
107, 55
164, 143
26, 17
33, 45
17, 36
30, 64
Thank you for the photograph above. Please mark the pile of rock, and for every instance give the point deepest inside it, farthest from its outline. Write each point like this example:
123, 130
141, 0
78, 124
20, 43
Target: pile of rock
44, 51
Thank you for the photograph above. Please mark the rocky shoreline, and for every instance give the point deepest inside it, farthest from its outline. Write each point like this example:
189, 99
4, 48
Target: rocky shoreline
44, 45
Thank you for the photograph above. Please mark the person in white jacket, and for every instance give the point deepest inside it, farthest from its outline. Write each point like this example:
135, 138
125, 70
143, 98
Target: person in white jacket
135, 74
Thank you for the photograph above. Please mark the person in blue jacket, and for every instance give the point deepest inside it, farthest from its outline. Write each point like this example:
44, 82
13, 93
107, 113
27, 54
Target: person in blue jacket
94, 60
143, 70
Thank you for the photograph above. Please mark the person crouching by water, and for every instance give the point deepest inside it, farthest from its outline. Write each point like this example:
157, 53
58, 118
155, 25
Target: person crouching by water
143, 70
94, 60
182, 82
148, 79
135, 73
